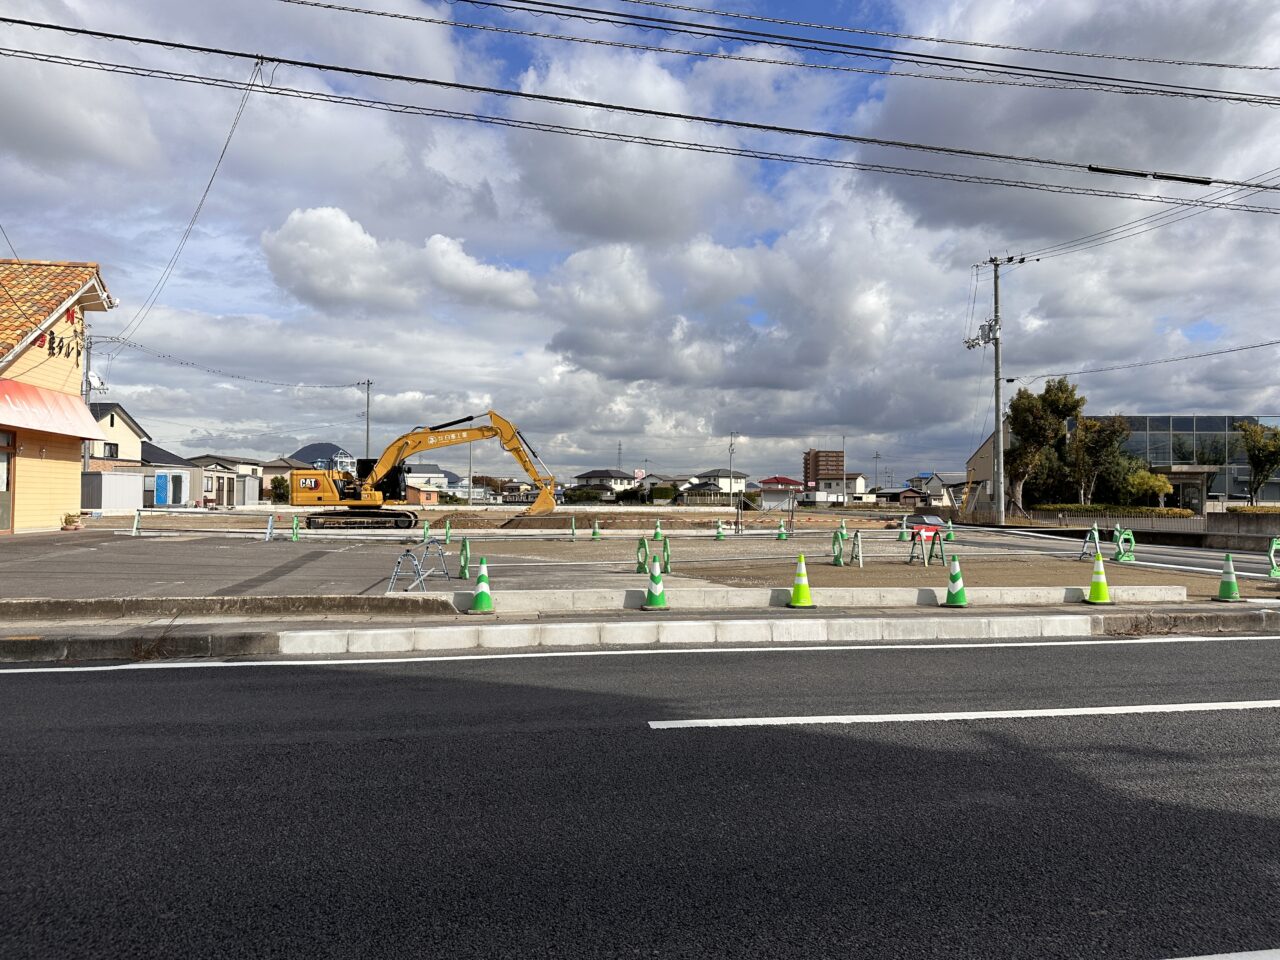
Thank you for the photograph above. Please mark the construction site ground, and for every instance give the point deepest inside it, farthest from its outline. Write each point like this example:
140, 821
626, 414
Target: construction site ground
92, 564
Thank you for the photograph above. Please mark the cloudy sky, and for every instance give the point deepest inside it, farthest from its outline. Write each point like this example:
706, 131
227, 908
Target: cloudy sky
602, 293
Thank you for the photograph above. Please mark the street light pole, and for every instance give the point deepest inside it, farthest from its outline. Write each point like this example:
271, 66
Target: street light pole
737, 522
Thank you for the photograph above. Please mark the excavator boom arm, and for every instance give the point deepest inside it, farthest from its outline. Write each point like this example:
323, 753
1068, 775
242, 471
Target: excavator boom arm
416, 441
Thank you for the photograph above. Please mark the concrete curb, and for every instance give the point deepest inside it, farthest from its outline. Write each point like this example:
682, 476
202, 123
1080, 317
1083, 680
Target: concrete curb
537, 602
623, 633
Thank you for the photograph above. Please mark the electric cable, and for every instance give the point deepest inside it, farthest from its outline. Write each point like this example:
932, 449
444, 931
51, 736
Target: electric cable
649, 112
864, 31
609, 135
144, 310
124, 342
641, 21
990, 79
1152, 363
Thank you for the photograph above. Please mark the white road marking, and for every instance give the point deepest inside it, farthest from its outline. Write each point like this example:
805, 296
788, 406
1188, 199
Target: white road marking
970, 715
648, 652
1252, 955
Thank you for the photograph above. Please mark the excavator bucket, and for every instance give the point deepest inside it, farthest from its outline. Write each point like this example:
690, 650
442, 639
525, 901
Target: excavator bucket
546, 503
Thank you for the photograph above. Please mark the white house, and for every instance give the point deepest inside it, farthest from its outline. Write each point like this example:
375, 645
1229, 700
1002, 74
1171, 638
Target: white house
734, 482
614, 480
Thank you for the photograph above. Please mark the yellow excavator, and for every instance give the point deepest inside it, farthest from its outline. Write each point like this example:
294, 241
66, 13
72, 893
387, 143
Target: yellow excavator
381, 483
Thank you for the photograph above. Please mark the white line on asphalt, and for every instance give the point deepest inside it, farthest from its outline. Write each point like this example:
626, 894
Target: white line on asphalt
969, 715
1252, 955
648, 652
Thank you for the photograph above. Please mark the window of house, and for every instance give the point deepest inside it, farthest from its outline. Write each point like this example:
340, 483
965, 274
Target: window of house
111, 450
208, 484
113, 419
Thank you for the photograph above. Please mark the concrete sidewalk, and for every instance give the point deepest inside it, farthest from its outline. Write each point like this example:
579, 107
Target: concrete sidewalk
154, 639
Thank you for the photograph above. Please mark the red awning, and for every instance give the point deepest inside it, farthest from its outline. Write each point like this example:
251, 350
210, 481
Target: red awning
34, 408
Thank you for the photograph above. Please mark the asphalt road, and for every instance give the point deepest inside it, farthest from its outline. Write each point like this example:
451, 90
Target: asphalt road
523, 807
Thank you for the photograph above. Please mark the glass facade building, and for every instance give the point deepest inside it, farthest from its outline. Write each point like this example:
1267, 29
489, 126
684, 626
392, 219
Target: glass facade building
1205, 441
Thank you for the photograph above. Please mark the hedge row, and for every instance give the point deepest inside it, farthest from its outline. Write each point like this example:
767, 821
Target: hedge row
1253, 509
1109, 509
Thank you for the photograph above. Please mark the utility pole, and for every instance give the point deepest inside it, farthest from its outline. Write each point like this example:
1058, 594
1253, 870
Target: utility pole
989, 332
368, 385
619, 454
86, 388
737, 522
876, 458
844, 475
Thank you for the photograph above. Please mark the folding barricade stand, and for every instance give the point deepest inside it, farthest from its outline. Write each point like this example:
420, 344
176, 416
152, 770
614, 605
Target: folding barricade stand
421, 567
929, 542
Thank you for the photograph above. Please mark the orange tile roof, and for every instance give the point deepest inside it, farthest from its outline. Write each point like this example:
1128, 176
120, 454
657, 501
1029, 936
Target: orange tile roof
30, 290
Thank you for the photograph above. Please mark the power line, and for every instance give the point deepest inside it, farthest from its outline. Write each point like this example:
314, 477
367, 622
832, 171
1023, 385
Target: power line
1085, 80
702, 54
1152, 363
748, 152
751, 126
864, 31
160, 355
144, 311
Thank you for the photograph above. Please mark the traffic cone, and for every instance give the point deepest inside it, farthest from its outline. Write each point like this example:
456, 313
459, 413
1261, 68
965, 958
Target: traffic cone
657, 531
595, 529
951, 532
481, 600
844, 531
719, 529
1228, 589
782, 531
655, 598
902, 531
800, 596
956, 596
1098, 592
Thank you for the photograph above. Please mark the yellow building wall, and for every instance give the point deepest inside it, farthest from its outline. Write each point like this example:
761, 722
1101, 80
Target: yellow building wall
57, 372
130, 443
46, 480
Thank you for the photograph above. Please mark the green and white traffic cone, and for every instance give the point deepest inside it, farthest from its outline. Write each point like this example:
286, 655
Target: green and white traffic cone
800, 596
951, 532
657, 531
782, 531
956, 596
1228, 589
482, 600
1098, 592
844, 531
595, 529
719, 529
448, 531
903, 535
655, 598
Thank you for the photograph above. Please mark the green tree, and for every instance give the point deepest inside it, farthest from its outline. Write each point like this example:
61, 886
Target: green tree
1037, 422
1094, 449
1143, 483
582, 495
279, 490
1262, 447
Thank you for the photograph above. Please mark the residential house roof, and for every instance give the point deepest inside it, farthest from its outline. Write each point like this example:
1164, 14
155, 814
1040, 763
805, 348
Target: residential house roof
705, 487
722, 472
36, 289
101, 411
320, 450
781, 481
288, 463
949, 478
160, 457
604, 475
214, 461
